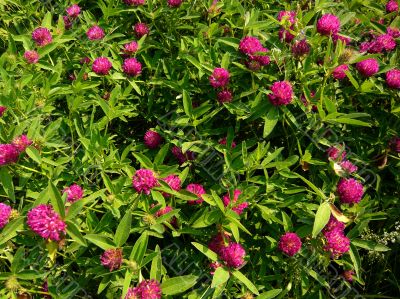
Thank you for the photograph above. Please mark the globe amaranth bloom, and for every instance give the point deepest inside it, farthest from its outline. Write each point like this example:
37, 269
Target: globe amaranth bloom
336, 153
260, 57
394, 144
236, 207
131, 48
95, 33
74, 192
368, 67
174, 3
350, 191
224, 96
393, 78
393, 31
21, 143
339, 72
348, 167
336, 241
300, 48
45, 222
282, 93
219, 242
42, 36
223, 142
328, 24
146, 289
67, 22
132, 67
73, 11
198, 190
5, 212
289, 244
392, 6
31, 56
250, 45
219, 77
141, 29
112, 258
174, 182
233, 255
289, 16
2, 110
101, 66
152, 139
8, 154
144, 180
386, 43
134, 2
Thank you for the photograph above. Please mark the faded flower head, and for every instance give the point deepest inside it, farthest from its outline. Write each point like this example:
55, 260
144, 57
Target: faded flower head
112, 259
224, 96
300, 48
289, 16
348, 167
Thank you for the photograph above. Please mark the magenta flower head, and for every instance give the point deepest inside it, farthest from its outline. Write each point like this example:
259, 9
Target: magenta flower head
233, 255
45, 222
285, 35
132, 67
67, 22
21, 143
393, 31
339, 72
336, 243
174, 182
134, 2
73, 11
133, 293
144, 180
198, 190
328, 24
219, 242
42, 36
8, 154
289, 244
250, 45
147, 289
392, 6
394, 144
385, 42
368, 67
262, 59
5, 212
300, 48
224, 96
2, 110
348, 167
393, 78
31, 57
219, 77
289, 16
131, 48
238, 208
350, 191
95, 33
141, 29
282, 93
336, 153
152, 139
101, 66
223, 142
74, 192
112, 259
174, 3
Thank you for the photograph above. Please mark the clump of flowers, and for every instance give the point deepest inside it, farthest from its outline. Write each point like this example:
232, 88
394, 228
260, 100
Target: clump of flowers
174, 182
8, 154
132, 67
290, 244
152, 139
45, 222
101, 66
393, 78
198, 190
131, 48
21, 143
328, 24
350, 191
144, 180
236, 207
73, 11
31, 56
42, 36
368, 67
141, 29
282, 93
112, 258
336, 241
147, 289
5, 212
74, 192
219, 77
339, 72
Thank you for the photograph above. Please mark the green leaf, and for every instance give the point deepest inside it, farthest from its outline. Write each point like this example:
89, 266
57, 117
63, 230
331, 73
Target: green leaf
187, 104
10, 230
178, 285
123, 229
156, 264
245, 281
206, 251
7, 183
355, 258
144, 161
74, 232
56, 199
369, 245
207, 218
34, 154
101, 241
139, 249
270, 121
321, 218
317, 277
270, 294
221, 275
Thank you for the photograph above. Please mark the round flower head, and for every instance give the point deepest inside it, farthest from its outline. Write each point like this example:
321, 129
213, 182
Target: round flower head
45, 222
348, 275
133, 293
348, 167
5, 212
336, 153
144, 180
198, 190
219, 242
174, 182
21, 143
333, 224
328, 24
74, 192
132, 67
67, 22
392, 6
289, 16
290, 244
250, 45
73, 11
8, 154
336, 243
300, 48
285, 35
224, 96
282, 93
141, 29
368, 67
131, 48
148, 289
339, 72
237, 208
219, 78
31, 57
95, 33
134, 2
101, 66
393, 31
112, 259
393, 78
2, 110
223, 142
174, 3
42, 36
394, 144
350, 191
152, 139
386, 43
233, 255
